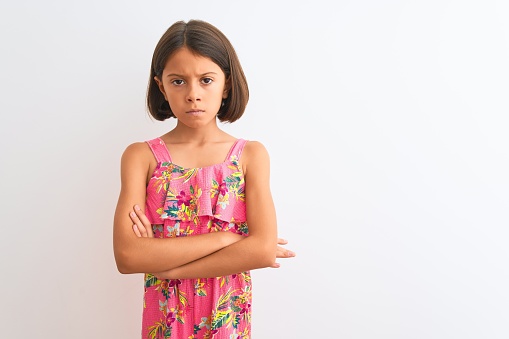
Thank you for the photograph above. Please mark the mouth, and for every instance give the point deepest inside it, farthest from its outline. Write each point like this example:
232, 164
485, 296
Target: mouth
195, 111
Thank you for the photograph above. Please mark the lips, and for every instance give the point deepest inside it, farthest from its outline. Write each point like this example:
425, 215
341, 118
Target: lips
195, 111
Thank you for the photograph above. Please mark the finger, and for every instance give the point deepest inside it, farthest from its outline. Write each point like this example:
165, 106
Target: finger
275, 265
144, 220
281, 241
284, 253
139, 225
136, 231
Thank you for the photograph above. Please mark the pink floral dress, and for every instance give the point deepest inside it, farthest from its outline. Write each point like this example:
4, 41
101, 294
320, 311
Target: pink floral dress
185, 202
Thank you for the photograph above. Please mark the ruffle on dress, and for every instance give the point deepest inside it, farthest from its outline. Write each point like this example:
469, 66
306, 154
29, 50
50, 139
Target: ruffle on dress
217, 191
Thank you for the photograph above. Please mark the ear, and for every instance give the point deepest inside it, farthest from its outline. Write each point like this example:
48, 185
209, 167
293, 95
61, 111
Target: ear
227, 87
161, 87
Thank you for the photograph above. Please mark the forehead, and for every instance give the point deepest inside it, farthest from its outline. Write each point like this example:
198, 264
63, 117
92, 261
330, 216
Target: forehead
185, 62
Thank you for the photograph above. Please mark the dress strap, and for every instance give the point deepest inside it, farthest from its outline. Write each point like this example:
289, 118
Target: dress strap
159, 149
236, 149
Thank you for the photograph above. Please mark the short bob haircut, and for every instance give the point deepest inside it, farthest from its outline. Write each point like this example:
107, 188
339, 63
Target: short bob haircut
206, 40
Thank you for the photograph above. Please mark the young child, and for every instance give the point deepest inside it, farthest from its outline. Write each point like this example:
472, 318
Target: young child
195, 211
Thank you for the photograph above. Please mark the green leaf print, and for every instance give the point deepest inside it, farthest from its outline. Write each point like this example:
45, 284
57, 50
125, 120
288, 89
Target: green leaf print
236, 321
158, 330
177, 170
151, 280
232, 304
182, 296
232, 179
221, 318
172, 210
222, 303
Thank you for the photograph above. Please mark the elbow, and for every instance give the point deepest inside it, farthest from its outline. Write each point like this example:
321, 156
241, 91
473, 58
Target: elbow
123, 269
123, 263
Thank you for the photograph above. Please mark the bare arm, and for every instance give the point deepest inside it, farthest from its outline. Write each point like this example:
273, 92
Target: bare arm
141, 255
142, 229
259, 249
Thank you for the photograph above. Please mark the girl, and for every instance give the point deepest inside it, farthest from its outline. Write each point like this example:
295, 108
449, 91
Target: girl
195, 212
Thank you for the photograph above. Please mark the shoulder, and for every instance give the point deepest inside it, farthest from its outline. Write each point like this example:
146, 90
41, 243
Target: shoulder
137, 154
254, 147
136, 164
255, 155
136, 150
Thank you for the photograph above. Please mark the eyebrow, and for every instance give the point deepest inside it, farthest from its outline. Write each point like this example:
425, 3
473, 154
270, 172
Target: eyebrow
181, 76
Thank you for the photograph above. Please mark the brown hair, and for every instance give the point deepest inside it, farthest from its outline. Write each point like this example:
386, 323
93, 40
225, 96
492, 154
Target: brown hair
206, 40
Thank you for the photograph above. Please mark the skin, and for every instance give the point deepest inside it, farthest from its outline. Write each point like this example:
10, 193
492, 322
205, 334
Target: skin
194, 86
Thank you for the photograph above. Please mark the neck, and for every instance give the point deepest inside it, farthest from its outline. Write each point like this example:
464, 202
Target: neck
184, 134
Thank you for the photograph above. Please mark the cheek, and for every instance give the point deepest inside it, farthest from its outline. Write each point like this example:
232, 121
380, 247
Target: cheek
172, 95
173, 101
219, 92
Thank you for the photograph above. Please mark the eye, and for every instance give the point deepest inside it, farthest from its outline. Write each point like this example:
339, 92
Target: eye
207, 81
177, 82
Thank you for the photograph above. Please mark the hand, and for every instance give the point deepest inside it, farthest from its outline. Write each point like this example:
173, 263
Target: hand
282, 252
141, 225
142, 228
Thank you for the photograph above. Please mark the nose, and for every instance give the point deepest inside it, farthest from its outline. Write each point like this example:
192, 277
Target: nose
194, 93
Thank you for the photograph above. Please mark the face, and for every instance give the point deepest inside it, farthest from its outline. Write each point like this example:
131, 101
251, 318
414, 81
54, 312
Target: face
194, 86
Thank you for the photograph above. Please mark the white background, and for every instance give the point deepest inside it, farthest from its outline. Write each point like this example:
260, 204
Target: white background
387, 126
